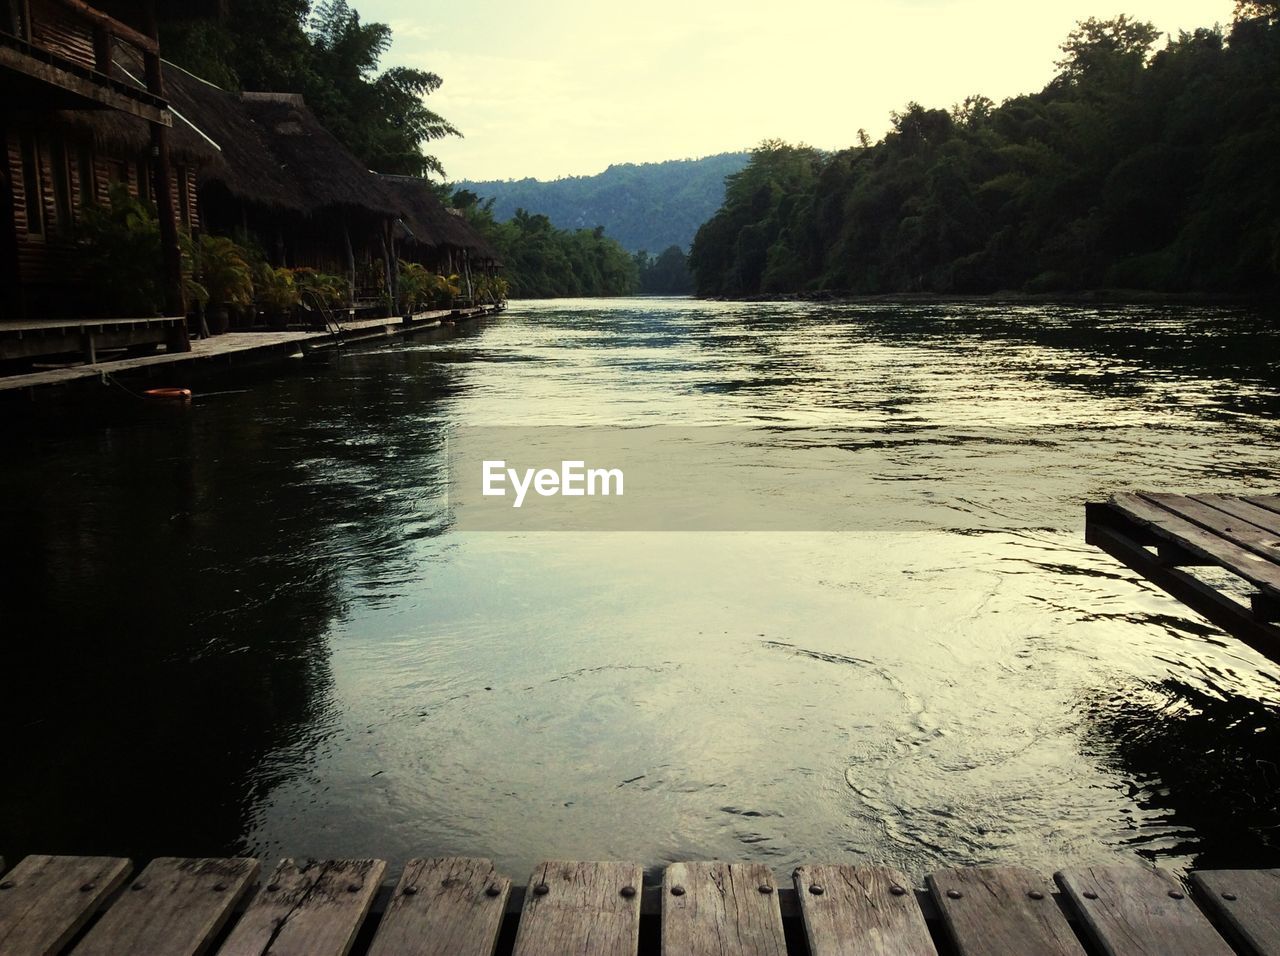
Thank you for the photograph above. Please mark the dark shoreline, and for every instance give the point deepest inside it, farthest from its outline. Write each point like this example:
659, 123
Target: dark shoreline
1084, 297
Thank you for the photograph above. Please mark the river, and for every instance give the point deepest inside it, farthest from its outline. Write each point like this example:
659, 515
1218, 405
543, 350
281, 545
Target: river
249, 625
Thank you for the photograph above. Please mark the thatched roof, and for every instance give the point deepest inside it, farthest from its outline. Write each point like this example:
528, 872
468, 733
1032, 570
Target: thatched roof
248, 170
121, 134
327, 173
429, 223
274, 152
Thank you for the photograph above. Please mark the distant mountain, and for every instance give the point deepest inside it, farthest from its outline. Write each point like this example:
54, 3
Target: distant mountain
649, 206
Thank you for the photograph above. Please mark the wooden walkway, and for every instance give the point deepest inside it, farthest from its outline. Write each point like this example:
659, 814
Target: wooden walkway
1161, 535
224, 350
96, 906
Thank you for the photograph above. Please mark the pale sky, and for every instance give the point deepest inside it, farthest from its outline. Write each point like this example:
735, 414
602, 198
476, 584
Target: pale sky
550, 88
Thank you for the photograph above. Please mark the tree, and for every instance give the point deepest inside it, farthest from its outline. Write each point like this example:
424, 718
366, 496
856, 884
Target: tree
1103, 48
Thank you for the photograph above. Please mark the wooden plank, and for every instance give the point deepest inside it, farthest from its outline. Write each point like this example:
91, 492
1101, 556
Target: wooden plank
861, 911
1252, 567
46, 900
307, 909
1270, 502
1242, 532
718, 909
1246, 904
447, 906
1228, 614
581, 908
1002, 910
1134, 911
1239, 508
174, 907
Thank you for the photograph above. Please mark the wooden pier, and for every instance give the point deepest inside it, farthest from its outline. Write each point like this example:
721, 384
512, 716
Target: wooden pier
96, 906
1162, 535
218, 351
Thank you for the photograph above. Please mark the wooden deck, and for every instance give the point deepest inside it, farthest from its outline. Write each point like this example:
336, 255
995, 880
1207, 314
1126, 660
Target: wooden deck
1162, 535
219, 350
463, 907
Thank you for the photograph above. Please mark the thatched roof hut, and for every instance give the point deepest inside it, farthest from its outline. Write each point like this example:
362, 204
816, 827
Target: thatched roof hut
427, 222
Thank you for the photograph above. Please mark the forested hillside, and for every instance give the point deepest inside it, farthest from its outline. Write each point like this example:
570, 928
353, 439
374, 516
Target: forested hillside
649, 206
1132, 168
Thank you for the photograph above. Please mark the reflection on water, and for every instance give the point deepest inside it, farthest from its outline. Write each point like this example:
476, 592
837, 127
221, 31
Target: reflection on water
249, 625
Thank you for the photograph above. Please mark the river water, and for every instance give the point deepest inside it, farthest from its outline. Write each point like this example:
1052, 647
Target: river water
250, 626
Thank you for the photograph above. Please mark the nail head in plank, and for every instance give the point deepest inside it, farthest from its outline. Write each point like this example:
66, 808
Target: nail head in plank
313, 908
725, 908
174, 907
46, 900
447, 906
867, 911
581, 908
1246, 903
1002, 910
1134, 911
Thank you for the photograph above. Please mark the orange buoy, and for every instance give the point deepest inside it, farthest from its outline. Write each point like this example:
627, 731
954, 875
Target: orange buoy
179, 394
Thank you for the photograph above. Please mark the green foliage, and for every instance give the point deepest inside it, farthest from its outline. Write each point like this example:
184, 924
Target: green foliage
420, 288
122, 257
541, 261
331, 290
330, 56
644, 206
1129, 169
668, 274
226, 271
490, 289
276, 290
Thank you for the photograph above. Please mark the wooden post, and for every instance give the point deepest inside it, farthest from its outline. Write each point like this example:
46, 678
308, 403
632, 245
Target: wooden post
351, 260
162, 177
102, 43
388, 258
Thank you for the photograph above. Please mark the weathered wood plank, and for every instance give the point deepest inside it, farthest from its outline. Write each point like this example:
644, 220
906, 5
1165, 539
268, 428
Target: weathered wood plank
1002, 910
447, 906
1246, 903
46, 900
307, 909
581, 908
1252, 567
174, 907
718, 909
1212, 518
1239, 508
861, 911
1134, 911
1270, 502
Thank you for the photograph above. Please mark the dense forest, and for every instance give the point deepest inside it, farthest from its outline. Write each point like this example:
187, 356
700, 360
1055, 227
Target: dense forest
540, 261
644, 206
1131, 169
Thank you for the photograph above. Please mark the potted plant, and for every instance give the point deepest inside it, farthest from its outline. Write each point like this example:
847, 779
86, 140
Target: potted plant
278, 294
228, 280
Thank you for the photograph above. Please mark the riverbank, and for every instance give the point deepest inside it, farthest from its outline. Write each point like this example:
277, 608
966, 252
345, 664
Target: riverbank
1083, 297
216, 354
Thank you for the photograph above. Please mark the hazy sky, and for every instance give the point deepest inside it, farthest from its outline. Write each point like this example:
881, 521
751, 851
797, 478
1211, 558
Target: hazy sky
550, 88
